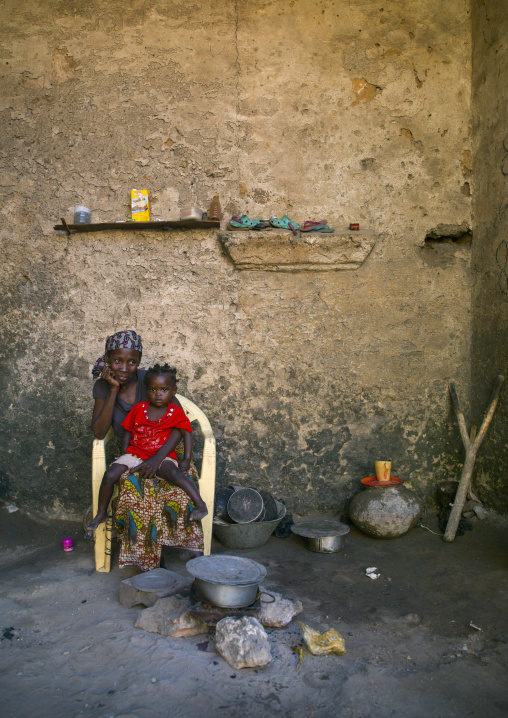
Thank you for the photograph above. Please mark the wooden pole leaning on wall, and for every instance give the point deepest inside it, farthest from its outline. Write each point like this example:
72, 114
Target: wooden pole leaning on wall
471, 445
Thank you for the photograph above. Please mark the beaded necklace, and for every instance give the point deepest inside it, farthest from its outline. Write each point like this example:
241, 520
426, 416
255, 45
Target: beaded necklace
168, 413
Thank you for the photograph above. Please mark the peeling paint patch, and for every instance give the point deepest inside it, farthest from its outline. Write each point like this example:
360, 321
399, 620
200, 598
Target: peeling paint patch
407, 133
466, 163
364, 91
63, 67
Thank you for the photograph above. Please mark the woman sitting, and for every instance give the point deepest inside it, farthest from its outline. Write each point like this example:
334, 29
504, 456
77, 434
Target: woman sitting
150, 512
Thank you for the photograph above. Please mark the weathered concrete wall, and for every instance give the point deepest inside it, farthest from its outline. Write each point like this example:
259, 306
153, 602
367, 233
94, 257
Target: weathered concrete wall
490, 253
354, 111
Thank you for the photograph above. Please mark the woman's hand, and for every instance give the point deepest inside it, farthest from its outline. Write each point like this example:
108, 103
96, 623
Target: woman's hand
108, 375
184, 466
149, 467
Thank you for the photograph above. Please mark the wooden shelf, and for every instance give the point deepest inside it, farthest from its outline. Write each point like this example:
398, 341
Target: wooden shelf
164, 225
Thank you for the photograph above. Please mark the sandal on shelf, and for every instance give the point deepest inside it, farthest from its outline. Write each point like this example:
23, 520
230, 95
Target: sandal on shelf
285, 223
319, 226
244, 222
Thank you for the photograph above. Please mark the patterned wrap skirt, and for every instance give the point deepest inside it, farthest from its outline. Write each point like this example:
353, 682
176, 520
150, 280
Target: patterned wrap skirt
150, 514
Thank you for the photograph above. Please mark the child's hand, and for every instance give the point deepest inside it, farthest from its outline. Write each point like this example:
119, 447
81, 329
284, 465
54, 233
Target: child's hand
184, 466
149, 467
108, 375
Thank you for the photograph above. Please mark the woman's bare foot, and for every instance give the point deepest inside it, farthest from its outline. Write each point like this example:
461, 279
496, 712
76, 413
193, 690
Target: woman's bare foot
100, 517
198, 513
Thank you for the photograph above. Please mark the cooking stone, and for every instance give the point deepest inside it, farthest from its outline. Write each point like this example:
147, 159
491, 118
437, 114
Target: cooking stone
147, 588
226, 570
320, 529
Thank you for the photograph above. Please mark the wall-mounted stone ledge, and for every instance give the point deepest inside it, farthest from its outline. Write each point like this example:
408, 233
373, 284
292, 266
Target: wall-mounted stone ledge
282, 252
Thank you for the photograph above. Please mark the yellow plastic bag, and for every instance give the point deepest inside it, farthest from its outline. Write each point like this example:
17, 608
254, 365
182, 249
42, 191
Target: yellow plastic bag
320, 644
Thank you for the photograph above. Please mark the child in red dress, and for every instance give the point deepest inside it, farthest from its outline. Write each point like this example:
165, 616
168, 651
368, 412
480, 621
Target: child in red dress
153, 429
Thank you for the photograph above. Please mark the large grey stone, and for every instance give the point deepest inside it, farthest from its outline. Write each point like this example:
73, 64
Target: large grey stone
280, 611
385, 512
242, 642
148, 587
169, 617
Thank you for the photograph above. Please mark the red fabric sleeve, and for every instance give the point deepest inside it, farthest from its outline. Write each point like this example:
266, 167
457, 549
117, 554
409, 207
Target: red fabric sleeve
180, 420
129, 421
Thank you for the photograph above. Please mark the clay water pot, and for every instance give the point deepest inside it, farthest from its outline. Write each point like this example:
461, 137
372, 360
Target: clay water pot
385, 512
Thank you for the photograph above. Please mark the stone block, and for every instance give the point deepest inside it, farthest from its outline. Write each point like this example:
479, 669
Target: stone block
279, 612
481, 512
242, 642
169, 617
469, 505
281, 252
147, 588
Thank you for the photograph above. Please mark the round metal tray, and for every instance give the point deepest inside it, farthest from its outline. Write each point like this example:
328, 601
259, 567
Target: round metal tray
226, 570
320, 529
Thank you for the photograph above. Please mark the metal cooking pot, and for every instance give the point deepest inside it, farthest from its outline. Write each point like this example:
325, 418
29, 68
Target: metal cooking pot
226, 581
226, 596
322, 536
330, 544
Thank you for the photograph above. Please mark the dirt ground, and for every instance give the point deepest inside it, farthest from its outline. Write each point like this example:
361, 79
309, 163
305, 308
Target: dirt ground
69, 649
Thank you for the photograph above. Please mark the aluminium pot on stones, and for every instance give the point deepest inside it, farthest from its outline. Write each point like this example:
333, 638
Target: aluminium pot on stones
226, 581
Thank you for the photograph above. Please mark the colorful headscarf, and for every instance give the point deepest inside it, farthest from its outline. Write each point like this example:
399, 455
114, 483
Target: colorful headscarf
127, 339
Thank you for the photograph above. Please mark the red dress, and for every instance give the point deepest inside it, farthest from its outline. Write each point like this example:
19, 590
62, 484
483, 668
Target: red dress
148, 436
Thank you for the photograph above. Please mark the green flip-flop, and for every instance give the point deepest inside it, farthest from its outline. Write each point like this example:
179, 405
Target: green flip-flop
285, 223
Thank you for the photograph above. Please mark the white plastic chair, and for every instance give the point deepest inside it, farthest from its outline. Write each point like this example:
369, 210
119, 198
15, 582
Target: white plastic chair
103, 534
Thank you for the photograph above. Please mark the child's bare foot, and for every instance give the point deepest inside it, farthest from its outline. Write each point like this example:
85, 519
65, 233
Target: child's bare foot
99, 518
199, 513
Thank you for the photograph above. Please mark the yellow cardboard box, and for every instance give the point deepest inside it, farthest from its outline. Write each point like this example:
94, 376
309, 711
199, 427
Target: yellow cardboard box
140, 205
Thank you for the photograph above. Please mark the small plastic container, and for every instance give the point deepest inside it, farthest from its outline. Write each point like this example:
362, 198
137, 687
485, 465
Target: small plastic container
82, 215
190, 213
68, 545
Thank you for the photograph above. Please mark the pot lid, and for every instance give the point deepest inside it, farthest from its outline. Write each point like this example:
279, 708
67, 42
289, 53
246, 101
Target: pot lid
321, 528
245, 505
226, 570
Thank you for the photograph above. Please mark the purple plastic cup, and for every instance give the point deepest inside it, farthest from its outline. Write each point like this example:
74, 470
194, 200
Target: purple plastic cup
67, 544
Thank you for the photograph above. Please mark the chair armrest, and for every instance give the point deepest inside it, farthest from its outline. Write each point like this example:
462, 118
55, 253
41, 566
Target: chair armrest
100, 444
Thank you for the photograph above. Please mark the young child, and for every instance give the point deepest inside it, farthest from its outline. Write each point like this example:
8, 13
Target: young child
153, 429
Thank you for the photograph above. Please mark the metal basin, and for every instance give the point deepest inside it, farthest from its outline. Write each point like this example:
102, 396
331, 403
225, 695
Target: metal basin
247, 535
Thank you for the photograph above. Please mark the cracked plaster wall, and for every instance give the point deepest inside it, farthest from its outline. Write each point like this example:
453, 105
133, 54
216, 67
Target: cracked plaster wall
354, 111
490, 253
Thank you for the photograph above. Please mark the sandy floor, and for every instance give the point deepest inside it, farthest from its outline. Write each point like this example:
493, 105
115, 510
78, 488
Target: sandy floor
69, 649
